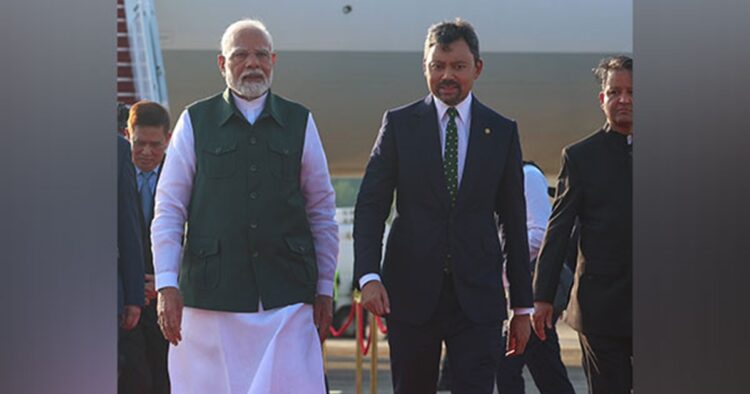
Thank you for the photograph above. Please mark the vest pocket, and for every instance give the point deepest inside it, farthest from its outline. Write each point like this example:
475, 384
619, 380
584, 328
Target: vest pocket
302, 263
219, 159
282, 164
205, 268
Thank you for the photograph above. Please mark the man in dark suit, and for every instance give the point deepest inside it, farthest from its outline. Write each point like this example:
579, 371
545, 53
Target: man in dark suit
148, 128
130, 285
456, 167
595, 187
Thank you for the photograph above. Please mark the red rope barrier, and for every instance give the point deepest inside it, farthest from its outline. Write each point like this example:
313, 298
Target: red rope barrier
360, 326
381, 327
337, 333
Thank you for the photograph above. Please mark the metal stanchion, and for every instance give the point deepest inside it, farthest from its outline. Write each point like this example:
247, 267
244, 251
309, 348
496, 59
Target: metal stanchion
325, 356
358, 340
373, 355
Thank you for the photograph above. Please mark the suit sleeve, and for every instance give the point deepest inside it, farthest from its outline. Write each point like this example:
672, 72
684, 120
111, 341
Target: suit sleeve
511, 209
374, 202
130, 264
557, 238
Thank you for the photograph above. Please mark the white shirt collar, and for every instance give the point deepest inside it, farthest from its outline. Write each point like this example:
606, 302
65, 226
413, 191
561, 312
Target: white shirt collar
251, 109
463, 108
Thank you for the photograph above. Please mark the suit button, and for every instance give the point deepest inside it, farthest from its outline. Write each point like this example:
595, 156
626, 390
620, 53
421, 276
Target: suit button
255, 254
253, 140
253, 195
253, 168
448, 256
217, 150
253, 225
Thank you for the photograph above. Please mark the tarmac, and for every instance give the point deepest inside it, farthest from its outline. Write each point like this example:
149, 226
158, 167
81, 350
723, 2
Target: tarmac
341, 365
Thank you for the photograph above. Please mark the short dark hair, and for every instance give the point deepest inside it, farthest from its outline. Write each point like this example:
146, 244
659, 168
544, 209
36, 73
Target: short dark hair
123, 111
447, 32
148, 113
612, 63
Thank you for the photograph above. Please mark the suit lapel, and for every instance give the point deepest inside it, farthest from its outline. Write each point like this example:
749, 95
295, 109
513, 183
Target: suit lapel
474, 150
428, 136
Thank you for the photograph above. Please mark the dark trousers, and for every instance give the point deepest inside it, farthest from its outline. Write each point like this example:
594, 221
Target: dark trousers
143, 352
133, 375
608, 363
415, 350
156, 350
544, 363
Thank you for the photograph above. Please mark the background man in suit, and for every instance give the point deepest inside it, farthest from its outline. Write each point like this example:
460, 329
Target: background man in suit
541, 357
246, 171
595, 187
455, 165
131, 372
148, 128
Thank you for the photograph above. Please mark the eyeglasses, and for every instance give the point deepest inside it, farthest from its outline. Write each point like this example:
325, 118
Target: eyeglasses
243, 55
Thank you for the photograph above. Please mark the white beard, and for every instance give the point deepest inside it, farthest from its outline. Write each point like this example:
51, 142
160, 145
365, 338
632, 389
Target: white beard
251, 89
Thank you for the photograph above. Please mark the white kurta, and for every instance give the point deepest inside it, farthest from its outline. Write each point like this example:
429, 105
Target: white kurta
268, 352
274, 351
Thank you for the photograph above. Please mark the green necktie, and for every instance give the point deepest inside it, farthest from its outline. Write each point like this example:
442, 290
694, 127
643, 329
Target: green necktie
450, 159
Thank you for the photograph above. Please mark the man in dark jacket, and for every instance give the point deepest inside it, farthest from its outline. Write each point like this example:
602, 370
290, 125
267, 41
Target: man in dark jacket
595, 187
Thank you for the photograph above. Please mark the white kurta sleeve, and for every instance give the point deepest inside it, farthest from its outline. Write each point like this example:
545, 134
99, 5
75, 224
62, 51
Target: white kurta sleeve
172, 199
320, 204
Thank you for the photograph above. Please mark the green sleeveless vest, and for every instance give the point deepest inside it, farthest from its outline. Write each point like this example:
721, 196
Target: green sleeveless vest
247, 233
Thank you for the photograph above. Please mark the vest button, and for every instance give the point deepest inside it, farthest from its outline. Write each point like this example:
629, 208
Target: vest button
253, 195
255, 254
253, 225
253, 168
253, 140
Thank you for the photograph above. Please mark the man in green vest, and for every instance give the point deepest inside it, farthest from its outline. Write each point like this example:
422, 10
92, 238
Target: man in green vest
245, 184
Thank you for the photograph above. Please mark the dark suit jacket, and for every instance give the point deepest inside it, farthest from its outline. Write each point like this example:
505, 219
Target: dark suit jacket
130, 266
148, 254
407, 158
595, 186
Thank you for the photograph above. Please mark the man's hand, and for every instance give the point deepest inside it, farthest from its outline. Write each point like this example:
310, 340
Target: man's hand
150, 289
519, 330
169, 310
323, 315
375, 298
130, 317
542, 318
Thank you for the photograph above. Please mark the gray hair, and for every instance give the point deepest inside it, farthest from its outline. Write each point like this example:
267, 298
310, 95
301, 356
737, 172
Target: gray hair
240, 25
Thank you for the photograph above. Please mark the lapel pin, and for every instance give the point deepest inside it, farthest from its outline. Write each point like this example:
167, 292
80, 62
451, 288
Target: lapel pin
487, 131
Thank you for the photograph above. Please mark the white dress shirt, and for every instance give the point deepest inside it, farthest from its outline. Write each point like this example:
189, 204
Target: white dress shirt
538, 207
176, 183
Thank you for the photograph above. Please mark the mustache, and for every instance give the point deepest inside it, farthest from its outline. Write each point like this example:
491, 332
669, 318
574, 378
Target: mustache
251, 73
448, 84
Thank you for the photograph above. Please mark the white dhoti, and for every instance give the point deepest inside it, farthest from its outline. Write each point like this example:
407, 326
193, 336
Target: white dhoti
269, 352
